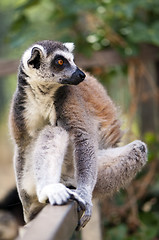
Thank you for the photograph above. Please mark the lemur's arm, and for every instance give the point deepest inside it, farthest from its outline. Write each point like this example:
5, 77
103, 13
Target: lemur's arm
86, 164
86, 171
48, 156
78, 122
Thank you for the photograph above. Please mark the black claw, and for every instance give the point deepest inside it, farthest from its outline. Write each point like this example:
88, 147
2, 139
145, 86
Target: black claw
81, 205
142, 148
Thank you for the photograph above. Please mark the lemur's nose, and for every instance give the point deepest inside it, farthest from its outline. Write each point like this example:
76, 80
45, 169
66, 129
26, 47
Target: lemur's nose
77, 77
80, 74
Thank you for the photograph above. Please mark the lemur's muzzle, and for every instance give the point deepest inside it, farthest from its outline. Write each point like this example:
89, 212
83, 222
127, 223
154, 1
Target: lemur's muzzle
77, 77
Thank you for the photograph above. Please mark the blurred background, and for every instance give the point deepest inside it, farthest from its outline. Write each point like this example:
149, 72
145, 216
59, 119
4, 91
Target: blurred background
118, 42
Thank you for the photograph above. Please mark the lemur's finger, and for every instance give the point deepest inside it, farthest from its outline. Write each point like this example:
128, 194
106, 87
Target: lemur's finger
76, 197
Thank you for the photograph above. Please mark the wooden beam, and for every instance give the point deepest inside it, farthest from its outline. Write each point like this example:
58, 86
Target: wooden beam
8, 67
52, 223
105, 58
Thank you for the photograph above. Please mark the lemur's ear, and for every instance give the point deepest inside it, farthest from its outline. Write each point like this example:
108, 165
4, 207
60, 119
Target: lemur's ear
70, 46
35, 58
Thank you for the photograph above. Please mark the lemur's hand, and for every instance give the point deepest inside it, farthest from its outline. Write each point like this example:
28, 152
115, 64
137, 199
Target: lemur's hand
85, 205
56, 194
86, 216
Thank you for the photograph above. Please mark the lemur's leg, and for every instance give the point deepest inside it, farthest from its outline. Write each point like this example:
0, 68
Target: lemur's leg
118, 166
48, 157
25, 181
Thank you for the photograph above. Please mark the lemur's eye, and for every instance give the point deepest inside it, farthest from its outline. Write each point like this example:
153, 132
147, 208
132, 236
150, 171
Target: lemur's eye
60, 62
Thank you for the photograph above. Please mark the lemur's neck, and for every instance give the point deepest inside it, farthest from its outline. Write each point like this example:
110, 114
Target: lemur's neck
34, 88
38, 101
42, 90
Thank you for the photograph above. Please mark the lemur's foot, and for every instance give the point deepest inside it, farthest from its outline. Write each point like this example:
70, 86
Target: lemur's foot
138, 152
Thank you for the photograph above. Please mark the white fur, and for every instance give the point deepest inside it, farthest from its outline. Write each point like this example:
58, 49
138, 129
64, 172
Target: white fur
70, 46
39, 109
57, 145
55, 193
117, 152
49, 152
58, 194
27, 55
28, 181
68, 55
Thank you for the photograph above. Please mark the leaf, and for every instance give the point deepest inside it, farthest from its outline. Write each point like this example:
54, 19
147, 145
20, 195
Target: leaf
20, 23
28, 4
117, 233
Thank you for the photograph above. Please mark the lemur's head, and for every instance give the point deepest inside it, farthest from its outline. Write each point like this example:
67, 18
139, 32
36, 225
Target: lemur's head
51, 62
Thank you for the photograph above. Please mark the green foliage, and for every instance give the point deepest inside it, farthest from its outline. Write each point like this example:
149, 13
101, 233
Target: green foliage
28, 4
134, 21
118, 232
153, 145
148, 229
94, 25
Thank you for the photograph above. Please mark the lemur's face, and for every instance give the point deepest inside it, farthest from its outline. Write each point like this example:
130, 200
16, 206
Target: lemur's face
51, 62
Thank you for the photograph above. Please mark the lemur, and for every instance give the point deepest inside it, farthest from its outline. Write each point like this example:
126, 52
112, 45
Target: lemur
66, 130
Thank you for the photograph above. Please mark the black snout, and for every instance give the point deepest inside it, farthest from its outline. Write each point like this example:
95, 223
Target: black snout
77, 77
79, 74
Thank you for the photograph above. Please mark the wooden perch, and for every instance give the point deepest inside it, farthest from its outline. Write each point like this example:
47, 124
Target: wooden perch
53, 223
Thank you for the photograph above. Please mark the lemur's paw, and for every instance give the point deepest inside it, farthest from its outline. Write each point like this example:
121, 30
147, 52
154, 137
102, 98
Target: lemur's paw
56, 194
85, 204
136, 158
75, 196
86, 216
138, 151
139, 144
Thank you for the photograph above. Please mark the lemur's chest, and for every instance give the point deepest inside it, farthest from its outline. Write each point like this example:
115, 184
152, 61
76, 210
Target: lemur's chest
39, 111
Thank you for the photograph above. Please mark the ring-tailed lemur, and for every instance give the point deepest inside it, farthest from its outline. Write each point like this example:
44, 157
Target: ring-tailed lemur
64, 125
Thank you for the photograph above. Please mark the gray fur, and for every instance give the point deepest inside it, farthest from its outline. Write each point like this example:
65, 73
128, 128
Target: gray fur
60, 128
